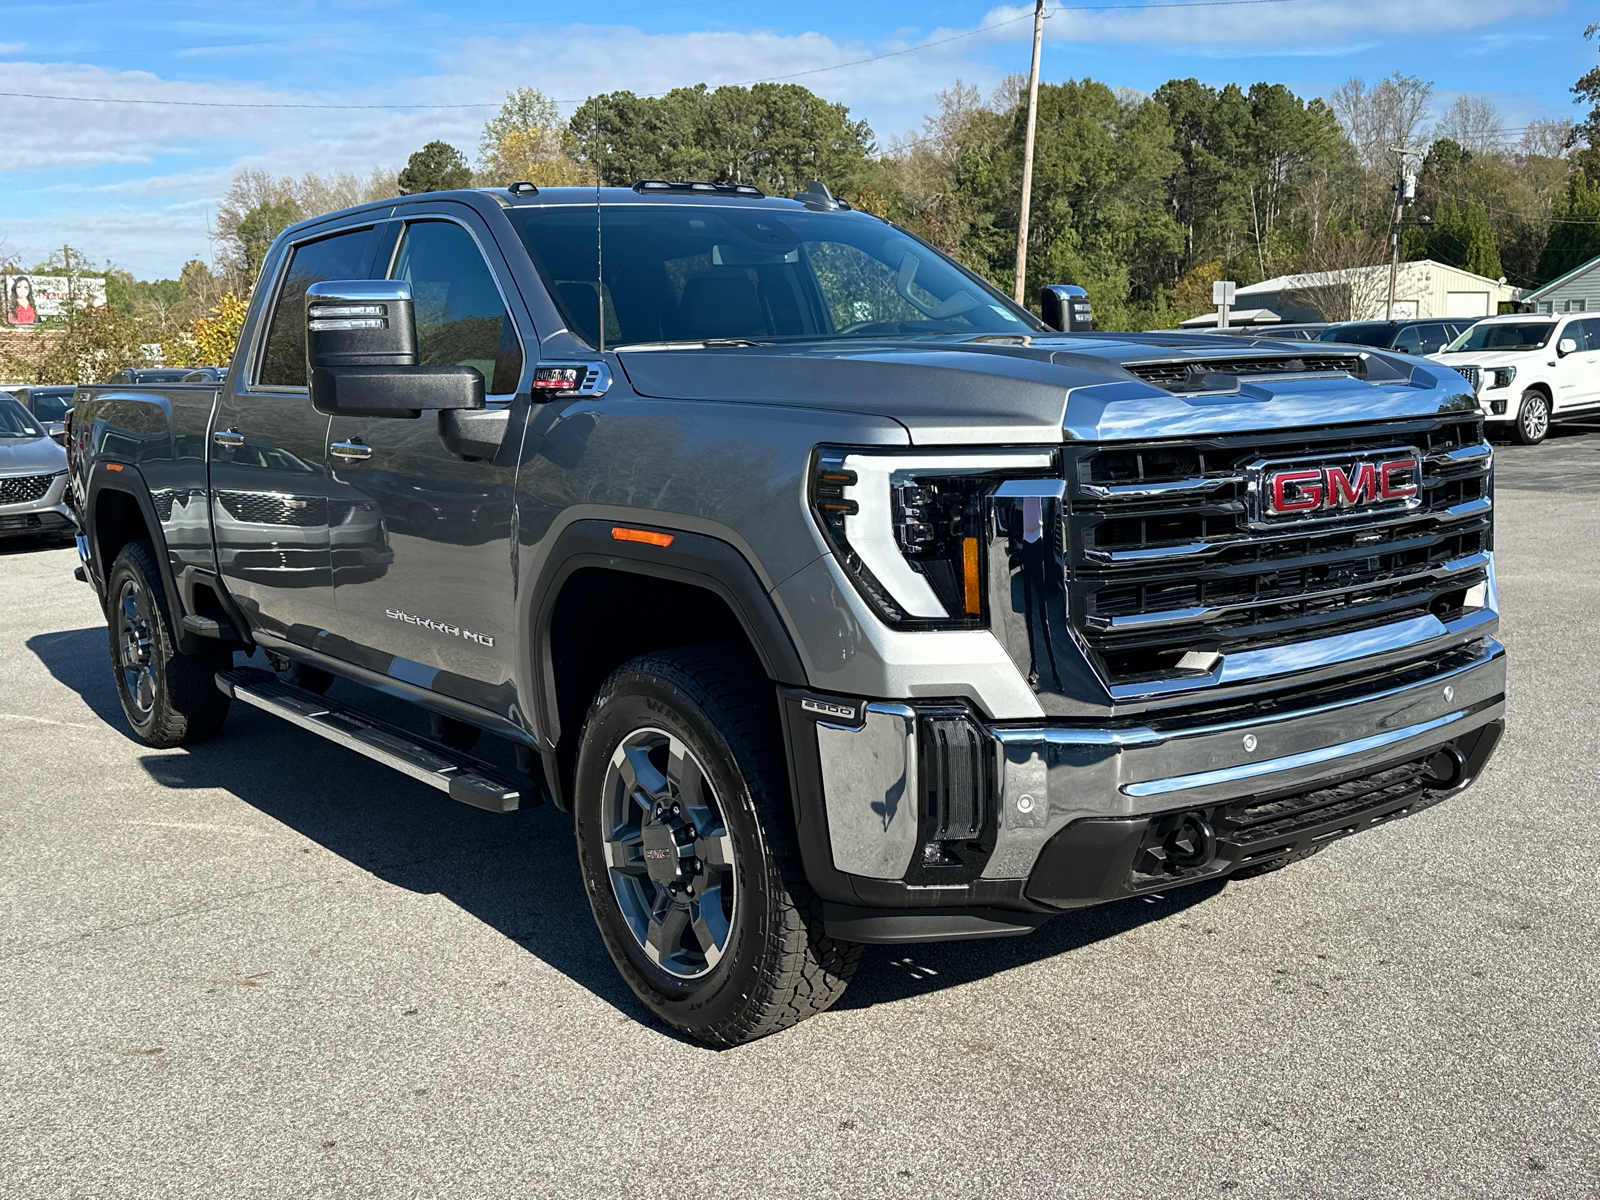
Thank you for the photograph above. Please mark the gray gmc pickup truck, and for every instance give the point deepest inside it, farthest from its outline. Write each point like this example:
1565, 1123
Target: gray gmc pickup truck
838, 598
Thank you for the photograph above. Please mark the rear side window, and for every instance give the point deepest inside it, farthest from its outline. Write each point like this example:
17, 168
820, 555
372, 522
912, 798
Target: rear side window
461, 318
342, 256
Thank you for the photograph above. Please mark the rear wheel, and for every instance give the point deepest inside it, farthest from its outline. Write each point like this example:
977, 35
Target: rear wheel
1533, 418
170, 699
683, 828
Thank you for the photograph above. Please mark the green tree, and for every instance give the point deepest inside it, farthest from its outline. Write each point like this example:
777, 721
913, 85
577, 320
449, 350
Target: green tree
777, 136
256, 230
437, 167
1462, 237
1575, 231
526, 140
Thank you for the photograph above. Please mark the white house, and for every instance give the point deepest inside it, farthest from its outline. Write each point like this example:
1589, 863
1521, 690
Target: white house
1423, 288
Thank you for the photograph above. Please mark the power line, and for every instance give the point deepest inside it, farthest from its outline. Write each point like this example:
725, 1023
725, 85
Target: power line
982, 29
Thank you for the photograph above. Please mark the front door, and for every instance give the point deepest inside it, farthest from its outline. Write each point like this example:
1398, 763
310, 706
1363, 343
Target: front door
269, 486
436, 608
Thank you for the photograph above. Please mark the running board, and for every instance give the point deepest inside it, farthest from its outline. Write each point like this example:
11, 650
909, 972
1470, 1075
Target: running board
465, 778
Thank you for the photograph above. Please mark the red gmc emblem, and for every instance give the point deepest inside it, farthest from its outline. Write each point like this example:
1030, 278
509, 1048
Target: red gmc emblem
1310, 489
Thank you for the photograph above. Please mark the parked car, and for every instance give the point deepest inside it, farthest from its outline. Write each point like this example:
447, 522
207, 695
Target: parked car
1530, 370
838, 598
1306, 332
1425, 335
49, 406
149, 375
33, 476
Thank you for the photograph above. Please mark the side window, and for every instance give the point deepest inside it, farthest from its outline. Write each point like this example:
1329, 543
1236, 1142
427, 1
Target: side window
461, 319
1409, 340
342, 256
1592, 326
1434, 337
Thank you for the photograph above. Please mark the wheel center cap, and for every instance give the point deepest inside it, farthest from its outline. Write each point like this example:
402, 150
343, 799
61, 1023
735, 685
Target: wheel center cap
663, 854
133, 649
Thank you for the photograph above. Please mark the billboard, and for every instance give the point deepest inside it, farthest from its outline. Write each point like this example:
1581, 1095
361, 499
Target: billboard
27, 300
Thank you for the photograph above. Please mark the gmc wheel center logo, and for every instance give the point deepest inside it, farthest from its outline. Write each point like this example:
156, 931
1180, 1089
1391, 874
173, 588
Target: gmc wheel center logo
1310, 489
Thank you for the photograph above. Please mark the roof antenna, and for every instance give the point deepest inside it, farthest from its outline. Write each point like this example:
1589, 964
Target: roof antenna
599, 242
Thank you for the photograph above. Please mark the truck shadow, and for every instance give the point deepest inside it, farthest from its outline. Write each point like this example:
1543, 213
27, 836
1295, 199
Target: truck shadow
517, 872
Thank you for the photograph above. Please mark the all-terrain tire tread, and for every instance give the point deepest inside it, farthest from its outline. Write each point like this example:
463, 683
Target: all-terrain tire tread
192, 709
808, 971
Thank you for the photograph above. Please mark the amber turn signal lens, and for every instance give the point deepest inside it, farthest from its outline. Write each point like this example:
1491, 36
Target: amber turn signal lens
649, 536
969, 576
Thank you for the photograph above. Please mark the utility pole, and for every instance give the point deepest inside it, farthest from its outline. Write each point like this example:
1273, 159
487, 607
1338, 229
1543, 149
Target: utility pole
1405, 189
1027, 151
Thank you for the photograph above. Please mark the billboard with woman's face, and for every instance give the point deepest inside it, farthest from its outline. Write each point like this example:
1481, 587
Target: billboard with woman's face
26, 300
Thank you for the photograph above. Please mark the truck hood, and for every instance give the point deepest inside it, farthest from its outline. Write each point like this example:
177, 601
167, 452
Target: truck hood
1494, 358
31, 456
1048, 389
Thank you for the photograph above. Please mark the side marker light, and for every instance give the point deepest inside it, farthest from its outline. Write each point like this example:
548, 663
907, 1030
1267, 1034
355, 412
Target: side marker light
650, 537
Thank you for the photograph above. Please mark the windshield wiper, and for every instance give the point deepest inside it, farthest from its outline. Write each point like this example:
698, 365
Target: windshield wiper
703, 344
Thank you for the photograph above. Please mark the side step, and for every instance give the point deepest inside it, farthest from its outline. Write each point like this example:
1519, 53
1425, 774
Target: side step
465, 778
213, 623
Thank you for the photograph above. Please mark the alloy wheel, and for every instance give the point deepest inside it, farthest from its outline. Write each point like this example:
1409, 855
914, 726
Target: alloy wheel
668, 853
1535, 417
136, 658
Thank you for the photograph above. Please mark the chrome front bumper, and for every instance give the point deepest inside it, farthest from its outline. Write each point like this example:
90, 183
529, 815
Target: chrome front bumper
1049, 777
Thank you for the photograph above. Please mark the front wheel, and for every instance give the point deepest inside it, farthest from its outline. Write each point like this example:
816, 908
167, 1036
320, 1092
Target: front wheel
683, 828
1533, 418
170, 699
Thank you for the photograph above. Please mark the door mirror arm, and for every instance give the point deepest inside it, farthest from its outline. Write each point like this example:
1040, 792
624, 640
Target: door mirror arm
474, 435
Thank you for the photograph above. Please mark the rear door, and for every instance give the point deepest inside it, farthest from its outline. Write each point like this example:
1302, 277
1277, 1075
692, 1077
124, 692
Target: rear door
1588, 374
269, 486
436, 611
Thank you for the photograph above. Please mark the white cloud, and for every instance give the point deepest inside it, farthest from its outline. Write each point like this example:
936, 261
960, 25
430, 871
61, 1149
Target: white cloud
156, 222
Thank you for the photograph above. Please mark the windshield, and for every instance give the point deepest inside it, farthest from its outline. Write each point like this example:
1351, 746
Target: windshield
1360, 335
1526, 335
15, 421
689, 273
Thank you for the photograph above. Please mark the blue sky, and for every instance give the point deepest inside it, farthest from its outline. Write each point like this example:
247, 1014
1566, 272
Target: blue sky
136, 184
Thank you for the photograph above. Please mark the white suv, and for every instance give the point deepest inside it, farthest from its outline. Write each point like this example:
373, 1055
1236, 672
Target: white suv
1529, 370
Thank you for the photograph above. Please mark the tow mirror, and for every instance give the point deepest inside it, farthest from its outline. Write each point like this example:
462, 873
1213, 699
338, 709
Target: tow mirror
1566, 346
1065, 306
361, 354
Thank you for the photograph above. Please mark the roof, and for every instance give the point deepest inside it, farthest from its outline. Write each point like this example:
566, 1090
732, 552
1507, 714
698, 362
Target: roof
1289, 283
1237, 316
1539, 291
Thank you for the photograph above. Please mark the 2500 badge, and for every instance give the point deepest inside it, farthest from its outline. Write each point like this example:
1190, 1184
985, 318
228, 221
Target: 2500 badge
395, 614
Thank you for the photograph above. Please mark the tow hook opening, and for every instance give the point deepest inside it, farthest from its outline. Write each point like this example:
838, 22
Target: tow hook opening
1192, 844
1447, 767
1179, 844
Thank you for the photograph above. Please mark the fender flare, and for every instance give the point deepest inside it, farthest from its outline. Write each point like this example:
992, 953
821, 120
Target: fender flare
127, 480
697, 559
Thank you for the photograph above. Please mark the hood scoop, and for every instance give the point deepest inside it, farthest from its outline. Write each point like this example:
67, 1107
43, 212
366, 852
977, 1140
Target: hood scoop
1222, 374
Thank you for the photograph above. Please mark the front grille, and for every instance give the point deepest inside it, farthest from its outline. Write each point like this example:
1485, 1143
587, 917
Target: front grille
275, 508
1165, 571
1181, 371
19, 489
1473, 375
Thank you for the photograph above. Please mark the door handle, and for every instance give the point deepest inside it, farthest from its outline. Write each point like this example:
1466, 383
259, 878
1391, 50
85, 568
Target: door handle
228, 439
350, 451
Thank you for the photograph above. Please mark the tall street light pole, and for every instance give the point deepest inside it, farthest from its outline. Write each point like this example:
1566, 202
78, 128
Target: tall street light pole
1027, 150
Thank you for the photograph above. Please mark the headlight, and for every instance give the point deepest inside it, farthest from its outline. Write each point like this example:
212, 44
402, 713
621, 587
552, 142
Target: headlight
1502, 376
912, 529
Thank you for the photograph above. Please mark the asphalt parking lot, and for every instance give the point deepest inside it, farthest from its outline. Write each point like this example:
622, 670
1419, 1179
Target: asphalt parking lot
269, 967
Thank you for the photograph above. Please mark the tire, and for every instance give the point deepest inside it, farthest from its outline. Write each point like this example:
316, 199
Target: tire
170, 699
1533, 418
701, 723
1276, 864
